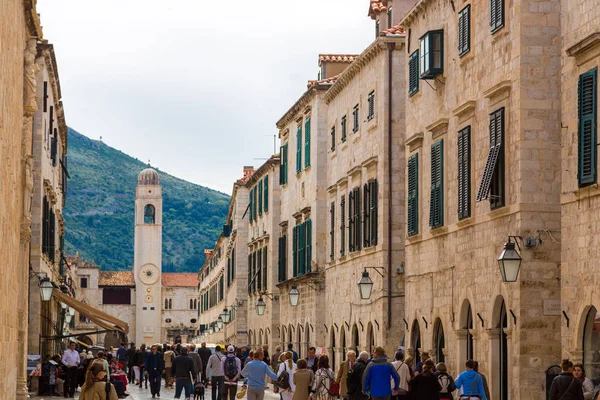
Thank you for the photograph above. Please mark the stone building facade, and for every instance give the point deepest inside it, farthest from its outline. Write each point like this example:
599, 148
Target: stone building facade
263, 253
580, 299
364, 175
227, 262
483, 135
21, 30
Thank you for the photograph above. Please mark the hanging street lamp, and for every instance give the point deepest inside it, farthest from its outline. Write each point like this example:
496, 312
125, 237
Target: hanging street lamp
260, 306
509, 262
294, 296
46, 288
365, 286
226, 316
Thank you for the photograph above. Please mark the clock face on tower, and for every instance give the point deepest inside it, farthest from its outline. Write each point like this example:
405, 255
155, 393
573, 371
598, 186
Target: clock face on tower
148, 274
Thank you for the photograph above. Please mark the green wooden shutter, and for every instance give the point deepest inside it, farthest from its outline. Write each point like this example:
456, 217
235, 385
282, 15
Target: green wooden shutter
413, 195
255, 202
250, 205
413, 73
307, 143
259, 264
351, 227
301, 249
282, 259
308, 246
355, 118
357, 219
344, 128
333, 138
436, 205
299, 149
371, 102
281, 165
250, 273
373, 217
464, 173
295, 251
496, 15
265, 269
492, 160
285, 159
332, 231
587, 127
343, 226
464, 30
389, 16
260, 197
366, 225
266, 195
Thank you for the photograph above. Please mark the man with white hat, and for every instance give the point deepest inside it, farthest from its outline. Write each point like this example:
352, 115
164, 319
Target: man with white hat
232, 367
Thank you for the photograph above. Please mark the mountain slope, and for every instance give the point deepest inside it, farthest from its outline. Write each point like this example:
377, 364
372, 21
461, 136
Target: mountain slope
99, 210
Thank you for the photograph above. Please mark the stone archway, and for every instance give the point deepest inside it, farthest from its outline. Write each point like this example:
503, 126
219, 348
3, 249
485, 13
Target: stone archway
114, 339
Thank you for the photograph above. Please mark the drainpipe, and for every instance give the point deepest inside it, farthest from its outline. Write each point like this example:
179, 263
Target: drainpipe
391, 47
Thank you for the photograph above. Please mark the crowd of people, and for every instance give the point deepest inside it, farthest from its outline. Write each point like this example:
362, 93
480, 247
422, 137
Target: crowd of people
189, 371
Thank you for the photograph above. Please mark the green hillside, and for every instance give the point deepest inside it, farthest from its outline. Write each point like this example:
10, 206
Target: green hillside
99, 210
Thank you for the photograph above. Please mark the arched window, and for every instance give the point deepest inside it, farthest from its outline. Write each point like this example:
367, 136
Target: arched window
290, 335
299, 343
191, 304
591, 343
332, 349
195, 304
149, 214
355, 338
469, 327
343, 343
307, 336
416, 341
440, 341
370, 338
170, 304
503, 350
166, 304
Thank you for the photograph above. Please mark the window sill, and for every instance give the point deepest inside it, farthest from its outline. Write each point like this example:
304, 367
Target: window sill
332, 155
438, 230
344, 145
499, 212
415, 95
307, 169
356, 137
466, 58
414, 238
372, 124
465, 222
499, 34
370, 249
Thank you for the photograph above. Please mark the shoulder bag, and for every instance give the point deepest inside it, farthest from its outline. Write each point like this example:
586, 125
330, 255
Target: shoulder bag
567, 391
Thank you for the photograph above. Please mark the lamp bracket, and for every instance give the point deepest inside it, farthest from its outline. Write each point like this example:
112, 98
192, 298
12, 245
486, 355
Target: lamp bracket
515, 237
270, 296
377, 269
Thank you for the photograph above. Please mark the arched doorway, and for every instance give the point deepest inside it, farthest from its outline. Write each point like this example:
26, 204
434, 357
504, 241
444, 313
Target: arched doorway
332, 348
290, 335
466, 324
499, 345
178, 339
343, 343
591, 343
307, 336
415, 341
355, 338
440, 341
283, 337
370, 338
250, 342
85, 339
260, 338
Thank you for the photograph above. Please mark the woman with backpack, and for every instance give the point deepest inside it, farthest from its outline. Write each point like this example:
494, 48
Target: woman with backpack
425, 385
323, 379
95, 387
287, 369
445, 381
403, 371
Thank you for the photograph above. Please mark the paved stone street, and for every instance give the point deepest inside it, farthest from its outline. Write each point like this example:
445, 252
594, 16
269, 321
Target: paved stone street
135, 393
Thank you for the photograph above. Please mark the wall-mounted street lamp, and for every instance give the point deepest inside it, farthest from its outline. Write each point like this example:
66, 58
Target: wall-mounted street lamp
210, 329
294, 296
365, 284
226, 315
261, 306
220, 323
45, 286
510, 260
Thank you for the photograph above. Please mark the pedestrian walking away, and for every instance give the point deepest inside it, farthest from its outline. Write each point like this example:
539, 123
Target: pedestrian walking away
197, 360
425, 386
403, 371
275, 359
471, 383
287, 368
168, 356
216, 371
446, 382
95, 386
232, 367
291, 348
566, 386
131, 362
354, 380
205, 354
255, 372
184, 370
70, 360
377, 375
142, 355
155, 365
303, 380
486, 388
324, 377
342, 374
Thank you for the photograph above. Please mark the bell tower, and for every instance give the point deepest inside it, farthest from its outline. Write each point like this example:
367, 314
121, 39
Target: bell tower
147, 262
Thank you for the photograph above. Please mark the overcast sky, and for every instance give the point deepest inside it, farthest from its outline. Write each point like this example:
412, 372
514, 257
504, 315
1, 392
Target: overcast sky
195, 86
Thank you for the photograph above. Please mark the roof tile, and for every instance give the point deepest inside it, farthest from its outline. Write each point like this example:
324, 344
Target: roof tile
116, 278
394, 30
338, 58
180, 279
330, 80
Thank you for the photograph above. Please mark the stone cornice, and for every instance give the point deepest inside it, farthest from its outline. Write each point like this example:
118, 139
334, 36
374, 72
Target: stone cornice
32, 19
467, 106
364, 59
414, 141
414, 12
301, 104
46, 51
584, 45
497, 90
260, 172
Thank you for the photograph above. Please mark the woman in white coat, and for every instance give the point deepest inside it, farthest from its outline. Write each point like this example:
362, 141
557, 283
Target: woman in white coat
289, 366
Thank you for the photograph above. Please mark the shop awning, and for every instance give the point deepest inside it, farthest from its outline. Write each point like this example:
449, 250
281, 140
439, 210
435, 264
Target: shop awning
98, 317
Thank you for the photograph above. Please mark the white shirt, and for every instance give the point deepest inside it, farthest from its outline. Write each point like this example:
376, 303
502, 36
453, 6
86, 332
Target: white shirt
70, 358
284, 366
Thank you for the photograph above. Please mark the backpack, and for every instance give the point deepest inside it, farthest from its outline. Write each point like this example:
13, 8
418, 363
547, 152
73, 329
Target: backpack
284, 379
230, 369
447, 383
334, 388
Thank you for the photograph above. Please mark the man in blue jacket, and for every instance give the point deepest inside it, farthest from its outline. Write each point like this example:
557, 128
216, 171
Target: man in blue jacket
471, 383
377, 376
155, 365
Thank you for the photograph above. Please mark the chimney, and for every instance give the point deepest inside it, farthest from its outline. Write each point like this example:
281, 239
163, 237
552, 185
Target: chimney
248, 172
207, 252
334, 64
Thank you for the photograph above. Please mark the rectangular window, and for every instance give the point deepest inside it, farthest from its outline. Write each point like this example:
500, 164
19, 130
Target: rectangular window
376, 28
343, 226
351, 225
295, 251
221, 290
83, 283
232, 265
250, 205
283, 164
308, 245
432, 54
357, 218
464, 173
413, 73
355, 119
332, 231
587, 127
51, 123
389, 17
307, 143
492, 181
45, 96
116, 295
282, 264
373, 211
266, 194
496, 15
333, 138
301, 249
299, 148
464, 31
371, 101
259, 271
260, 197
344, 129
436, 204
413, 195
250, 273
265, 275
366, 224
